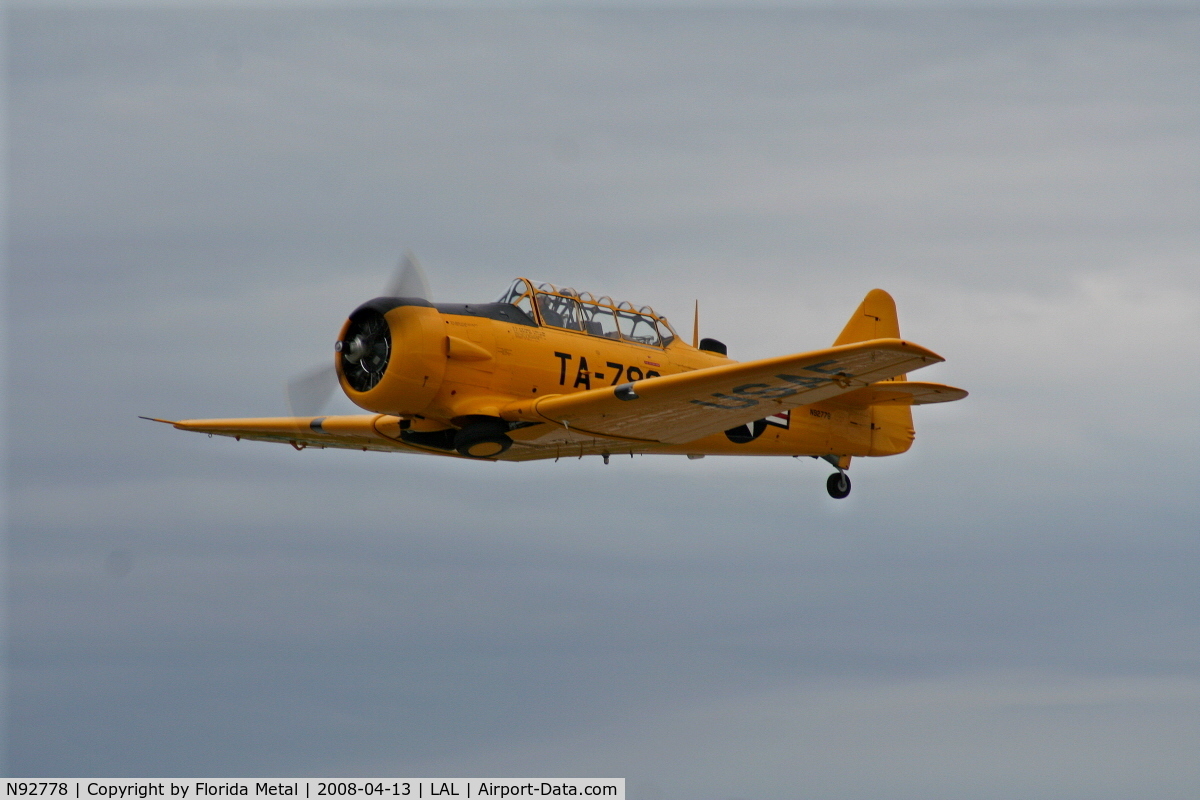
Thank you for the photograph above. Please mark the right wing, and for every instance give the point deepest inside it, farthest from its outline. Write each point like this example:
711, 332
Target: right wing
680, 408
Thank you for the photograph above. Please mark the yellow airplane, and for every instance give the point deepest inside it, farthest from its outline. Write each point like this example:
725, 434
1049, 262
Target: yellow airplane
549, 372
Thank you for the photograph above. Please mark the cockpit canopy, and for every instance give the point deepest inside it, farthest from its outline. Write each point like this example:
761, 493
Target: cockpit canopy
562, 307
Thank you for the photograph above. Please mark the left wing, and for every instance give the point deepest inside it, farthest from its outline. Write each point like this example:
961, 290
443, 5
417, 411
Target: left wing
675, 409
351, 432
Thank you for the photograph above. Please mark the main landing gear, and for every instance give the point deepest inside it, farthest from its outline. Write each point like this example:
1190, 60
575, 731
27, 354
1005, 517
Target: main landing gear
838, 484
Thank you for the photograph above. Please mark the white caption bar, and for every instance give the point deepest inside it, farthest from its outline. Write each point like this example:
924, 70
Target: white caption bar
360, 789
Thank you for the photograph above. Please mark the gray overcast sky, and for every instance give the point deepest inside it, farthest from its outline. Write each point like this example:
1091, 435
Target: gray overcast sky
197, 198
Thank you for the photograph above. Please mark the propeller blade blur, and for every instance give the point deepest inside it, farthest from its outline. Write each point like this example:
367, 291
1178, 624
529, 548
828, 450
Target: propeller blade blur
310, 391
409, 280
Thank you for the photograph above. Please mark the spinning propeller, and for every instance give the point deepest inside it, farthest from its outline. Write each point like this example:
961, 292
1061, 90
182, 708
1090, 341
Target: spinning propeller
365, 351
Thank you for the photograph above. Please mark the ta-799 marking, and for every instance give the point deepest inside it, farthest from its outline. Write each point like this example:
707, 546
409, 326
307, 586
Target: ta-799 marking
583, 376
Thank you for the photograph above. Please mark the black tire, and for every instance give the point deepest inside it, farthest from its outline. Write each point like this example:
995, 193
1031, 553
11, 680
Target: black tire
486, 438
838, 485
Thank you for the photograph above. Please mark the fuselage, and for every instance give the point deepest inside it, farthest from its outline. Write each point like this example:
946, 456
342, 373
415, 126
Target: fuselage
446, 364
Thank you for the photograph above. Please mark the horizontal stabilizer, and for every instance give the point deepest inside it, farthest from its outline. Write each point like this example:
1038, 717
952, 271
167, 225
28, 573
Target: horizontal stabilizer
899, 393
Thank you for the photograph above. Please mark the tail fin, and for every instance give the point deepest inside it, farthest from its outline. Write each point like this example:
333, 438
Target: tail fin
875, 318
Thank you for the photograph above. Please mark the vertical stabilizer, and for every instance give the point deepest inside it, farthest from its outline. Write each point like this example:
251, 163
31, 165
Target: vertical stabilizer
875, 318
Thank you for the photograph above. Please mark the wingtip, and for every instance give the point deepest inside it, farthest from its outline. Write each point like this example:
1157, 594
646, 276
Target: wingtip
156, 419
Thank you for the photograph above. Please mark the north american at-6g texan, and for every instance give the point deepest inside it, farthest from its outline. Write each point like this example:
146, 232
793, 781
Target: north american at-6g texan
549, 372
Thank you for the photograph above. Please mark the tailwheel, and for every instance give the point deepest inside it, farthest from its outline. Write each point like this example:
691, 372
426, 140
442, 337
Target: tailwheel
838, 485
484, 438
